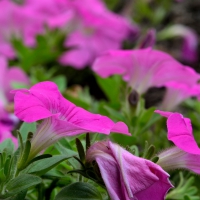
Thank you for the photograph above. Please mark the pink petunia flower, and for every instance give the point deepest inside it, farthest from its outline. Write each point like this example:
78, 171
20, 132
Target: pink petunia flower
60, 117
127, 176
87, 25
189, 49
186, 154
14, 23
144, 68
7, 122
179, 131
8, 76
176, 93
26, 21
96, 29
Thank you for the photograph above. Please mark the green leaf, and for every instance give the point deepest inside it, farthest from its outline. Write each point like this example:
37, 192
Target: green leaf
87, 141
65, 143
149, 123
42, 166
110, 86
18, 85
186, 197
40, 157
13, 164
26, 128
65, 151
21, 183
2, 175
20, 196
146, 116
79, 191
24, 155
114, 114
60, 82
80, 149
79, 102
7, 166
8, 145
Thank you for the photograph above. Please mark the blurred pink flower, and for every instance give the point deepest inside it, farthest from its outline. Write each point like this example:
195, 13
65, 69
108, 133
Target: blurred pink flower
16, 21
90, 27
190, 40
9, 76
7, 122
176, 93
26, 21
61, 117
96, 29
127, 176
144, 68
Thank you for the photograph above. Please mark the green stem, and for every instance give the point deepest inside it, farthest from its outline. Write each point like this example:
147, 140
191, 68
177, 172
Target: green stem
49, 190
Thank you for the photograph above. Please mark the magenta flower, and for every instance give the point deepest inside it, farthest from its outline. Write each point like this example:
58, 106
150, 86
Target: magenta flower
60, 117
26, 21
8, 76
189, 49
186, 154
179, 131
7, 122
95, 30
127, 176
176, 93
144, 68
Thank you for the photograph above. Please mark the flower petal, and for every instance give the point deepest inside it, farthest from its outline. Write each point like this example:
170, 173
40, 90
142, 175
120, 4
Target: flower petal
89, 121
40, 102
180, 132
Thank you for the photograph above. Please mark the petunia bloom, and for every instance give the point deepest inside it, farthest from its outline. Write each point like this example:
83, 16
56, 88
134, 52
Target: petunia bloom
176, 93
95, 29
127, 176
144, 68
6, 125
189, 50
27, 20
60, 116
8, 76
179, 131
186, 153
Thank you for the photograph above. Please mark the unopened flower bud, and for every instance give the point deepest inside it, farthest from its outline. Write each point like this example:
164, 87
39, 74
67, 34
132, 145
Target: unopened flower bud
149, 39
133, 98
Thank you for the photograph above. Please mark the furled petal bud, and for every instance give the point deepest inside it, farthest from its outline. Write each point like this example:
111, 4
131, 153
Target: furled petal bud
149, 39
127, 176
